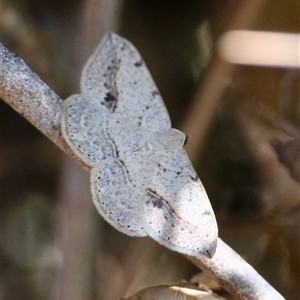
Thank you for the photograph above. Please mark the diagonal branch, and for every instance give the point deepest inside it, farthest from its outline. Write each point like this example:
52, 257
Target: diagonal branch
24, 91
236, 275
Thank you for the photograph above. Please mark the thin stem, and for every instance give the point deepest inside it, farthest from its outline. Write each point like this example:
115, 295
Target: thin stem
236, 275
23, 90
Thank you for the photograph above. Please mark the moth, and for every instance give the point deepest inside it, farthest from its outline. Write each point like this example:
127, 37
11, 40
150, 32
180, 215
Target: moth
142, 181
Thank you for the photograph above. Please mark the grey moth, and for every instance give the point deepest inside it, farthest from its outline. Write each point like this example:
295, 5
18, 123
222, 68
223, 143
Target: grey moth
142, 181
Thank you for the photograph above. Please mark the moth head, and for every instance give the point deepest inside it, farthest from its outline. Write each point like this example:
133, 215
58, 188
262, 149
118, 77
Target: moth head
167, 139
178, 137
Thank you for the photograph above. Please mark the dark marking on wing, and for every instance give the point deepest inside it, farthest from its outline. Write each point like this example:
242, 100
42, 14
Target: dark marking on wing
156, 200
122, 162
140, 121
109, 97
138, 63
194, 178
157, 203
155, 93
112, 141
110, 101
123, 47
206, 213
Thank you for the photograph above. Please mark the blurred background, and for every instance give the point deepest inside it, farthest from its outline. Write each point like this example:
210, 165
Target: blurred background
243, 128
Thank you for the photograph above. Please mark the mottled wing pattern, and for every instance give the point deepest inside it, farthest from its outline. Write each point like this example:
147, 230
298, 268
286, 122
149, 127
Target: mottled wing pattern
116, 199
118, 188
96, 135
116, 79
178, 212
83, 126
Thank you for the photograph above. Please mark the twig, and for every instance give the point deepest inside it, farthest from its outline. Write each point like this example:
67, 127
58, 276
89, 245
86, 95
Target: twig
23, 90
236, 275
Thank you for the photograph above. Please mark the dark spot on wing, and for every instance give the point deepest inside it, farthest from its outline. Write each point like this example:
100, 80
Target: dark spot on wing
157, 203
207, 213
194, 178
140, 121
210, 253
155, 93
138, 63
156, 200
122, 47
109, 101
109, 97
